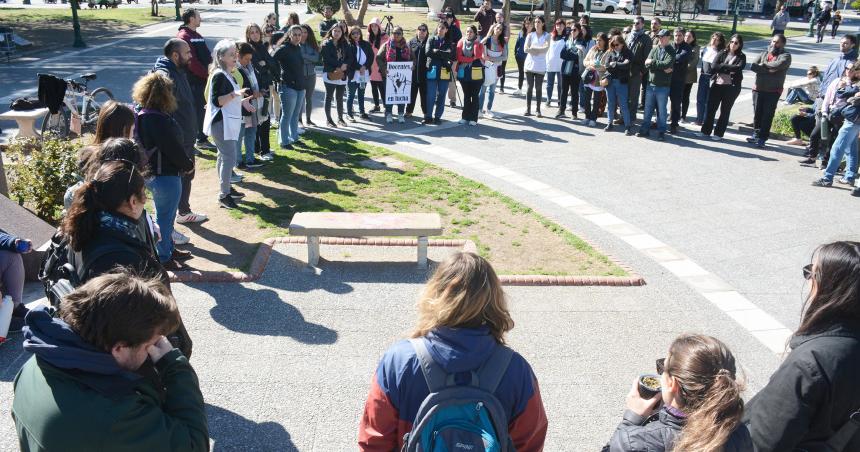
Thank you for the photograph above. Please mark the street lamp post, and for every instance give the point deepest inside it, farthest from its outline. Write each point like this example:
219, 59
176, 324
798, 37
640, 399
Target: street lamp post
277, 15
588, 9
178, 13
735, 19
76, 25
815, 10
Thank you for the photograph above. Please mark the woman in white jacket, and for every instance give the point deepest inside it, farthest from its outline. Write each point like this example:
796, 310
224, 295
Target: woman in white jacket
806, 89
553, 59
536, 47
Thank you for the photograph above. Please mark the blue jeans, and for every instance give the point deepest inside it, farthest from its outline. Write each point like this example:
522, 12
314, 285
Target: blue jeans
797, 95
616, 92
291, 109
551, 78
657, 97
845, 144
492, 96
436, 91
165, 196
249, 136
702, 93
353, 87
400, 109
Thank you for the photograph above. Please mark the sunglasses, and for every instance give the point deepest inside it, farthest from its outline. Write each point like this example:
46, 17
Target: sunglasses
807, 271
661, 366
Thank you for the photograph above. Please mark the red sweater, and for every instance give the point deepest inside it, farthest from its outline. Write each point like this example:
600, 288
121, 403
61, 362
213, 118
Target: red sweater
478, 49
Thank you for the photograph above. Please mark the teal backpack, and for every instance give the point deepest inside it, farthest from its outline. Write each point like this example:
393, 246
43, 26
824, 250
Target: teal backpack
460, 418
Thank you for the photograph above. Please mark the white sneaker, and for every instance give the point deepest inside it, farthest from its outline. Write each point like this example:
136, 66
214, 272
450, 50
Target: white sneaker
483, 113
179, 238
191, 217
473, 123
401, 119
489, 114
267, 157
388, 119
517, 92
716, 138
699, 134
301, 130
462, 121
235, 179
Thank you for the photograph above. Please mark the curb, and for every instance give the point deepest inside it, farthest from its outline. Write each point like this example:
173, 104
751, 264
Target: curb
261, 260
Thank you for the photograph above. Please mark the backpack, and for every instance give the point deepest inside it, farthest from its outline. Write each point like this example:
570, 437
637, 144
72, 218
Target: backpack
467, 418
63, 270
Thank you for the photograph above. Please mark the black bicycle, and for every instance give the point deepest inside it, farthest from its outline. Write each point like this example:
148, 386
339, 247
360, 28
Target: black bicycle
80, 109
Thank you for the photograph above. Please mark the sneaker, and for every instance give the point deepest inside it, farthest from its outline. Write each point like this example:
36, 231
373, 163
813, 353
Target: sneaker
822, 183
462, 121
254, 164
699, 134
661, 136
351, 118
174, 265
548, 102
539, 114
181, 256
807, 161
365, 116
560, 116
426, 121
388, 119
473, 123
267, 157
341, 122
236, 193
401, 119
795, 142
331, 124
527, 113
619, 121
235, 179
856, 192
642, 134
310, 123
517, 92
437, 121
716, 138
375, 109
191, 217
760, 144
227, 202
752, 140
180, 238
490, 114
845, 181
628, 132
206, 145
609, 128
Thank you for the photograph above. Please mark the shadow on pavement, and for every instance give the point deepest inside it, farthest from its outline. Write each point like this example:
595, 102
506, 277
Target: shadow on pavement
12, 356
230, 431
699, 144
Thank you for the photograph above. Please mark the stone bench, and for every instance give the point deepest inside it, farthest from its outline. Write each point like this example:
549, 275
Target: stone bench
26, 120
314, 225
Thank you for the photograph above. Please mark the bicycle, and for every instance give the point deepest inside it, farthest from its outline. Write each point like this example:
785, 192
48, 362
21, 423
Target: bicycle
71, 120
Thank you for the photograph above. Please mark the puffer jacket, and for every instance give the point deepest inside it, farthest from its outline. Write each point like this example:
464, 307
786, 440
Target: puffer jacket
811, 395
658, 433
398, 388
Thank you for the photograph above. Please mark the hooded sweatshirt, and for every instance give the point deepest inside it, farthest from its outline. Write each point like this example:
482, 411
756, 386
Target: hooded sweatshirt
398, 388
201, 57
71, 396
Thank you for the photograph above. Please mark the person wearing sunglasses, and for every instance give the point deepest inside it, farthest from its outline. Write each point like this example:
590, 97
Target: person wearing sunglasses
618, 60
812, 401
698, 408
727, 74
358, 72
418, 49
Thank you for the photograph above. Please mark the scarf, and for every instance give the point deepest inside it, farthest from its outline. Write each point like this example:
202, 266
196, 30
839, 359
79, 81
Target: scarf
469, 48
394, 51
118, 223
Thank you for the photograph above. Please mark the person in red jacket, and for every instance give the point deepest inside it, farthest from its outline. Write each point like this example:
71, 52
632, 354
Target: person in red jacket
469, 67
462, 319
198, 68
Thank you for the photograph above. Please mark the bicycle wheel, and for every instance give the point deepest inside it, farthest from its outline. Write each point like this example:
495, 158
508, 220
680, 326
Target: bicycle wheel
90, 115
57, 125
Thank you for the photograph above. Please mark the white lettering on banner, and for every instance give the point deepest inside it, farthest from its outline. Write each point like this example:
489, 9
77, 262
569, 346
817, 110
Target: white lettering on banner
398, 83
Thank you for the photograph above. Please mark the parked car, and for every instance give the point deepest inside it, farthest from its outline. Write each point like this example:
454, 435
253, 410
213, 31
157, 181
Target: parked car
597, 6
629, 6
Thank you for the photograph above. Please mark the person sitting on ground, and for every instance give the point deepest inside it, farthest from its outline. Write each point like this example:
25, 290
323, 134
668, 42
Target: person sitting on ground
805, 89
83, 388
803, 122
814, 392
12, 275
463, 317
828, 121
701, 403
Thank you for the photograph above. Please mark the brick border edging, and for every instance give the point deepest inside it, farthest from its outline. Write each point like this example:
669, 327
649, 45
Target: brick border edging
264, 252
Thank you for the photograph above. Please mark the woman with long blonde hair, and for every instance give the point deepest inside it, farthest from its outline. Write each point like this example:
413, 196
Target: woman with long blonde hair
462, 320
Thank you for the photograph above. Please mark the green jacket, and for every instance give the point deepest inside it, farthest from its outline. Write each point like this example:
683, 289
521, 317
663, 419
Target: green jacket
656, 74
69, 410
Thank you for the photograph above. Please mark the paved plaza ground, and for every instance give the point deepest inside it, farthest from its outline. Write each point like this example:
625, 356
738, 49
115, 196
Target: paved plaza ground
719, 231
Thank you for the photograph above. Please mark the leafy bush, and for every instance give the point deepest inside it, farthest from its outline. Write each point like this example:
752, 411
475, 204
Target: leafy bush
40, 172
318, 5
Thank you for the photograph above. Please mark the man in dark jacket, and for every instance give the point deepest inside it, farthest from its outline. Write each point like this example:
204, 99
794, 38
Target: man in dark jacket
770, 69
174, 63
419, 70
485, 17
198, 68
679, 74
103, 376
640, 46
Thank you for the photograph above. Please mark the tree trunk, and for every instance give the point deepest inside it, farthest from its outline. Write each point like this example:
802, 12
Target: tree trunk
154, 11
576, 9
362, 10
506, 11
455, 5
559, 5
347, 14
546, 5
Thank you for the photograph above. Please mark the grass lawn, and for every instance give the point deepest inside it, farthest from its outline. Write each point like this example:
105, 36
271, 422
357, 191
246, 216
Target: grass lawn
52, 27
331, 174
782, 120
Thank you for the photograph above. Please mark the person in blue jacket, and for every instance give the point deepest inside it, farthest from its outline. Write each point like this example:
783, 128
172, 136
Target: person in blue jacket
462, 319
12, 274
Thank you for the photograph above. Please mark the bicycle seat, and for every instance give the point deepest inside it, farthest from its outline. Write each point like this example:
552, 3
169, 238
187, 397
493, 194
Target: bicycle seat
89, 76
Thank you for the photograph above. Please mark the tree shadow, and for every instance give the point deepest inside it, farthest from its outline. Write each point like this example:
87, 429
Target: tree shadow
262, 312
230, 431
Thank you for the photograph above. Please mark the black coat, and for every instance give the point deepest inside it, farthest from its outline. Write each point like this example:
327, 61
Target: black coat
440, 52
161, 132
682, 59
659, 432
186, 111
621, 69
330, 57
354, 66
418, 50
267, 68
736, 69
811, 395
289, 58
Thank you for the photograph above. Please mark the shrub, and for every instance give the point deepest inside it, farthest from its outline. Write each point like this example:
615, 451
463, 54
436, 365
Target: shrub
40, 172
318, 5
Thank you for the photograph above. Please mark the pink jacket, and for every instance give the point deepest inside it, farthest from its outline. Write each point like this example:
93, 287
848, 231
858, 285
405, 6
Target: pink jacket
375, 76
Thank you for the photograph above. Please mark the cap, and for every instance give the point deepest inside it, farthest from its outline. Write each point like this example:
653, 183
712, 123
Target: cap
662, 33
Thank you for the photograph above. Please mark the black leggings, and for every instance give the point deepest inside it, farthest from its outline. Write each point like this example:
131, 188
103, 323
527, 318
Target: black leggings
262, 145
521, 63
685, 101
378, 90
331, 90
534, 80
569, 84
503, 76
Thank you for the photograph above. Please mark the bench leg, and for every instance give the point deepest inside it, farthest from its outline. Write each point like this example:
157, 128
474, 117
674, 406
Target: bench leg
26, 128
422, 252
313, 251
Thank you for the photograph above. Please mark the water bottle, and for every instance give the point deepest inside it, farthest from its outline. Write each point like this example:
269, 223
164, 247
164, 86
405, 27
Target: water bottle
6, 307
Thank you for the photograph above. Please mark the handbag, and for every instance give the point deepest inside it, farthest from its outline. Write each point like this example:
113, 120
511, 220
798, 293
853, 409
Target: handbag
604, 82
477, 72
461, 72
335, 75
445, 74
588, 76
490, 74
433, 73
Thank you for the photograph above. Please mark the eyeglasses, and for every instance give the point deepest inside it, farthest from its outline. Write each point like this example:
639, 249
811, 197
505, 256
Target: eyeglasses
661, 366
807, 271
